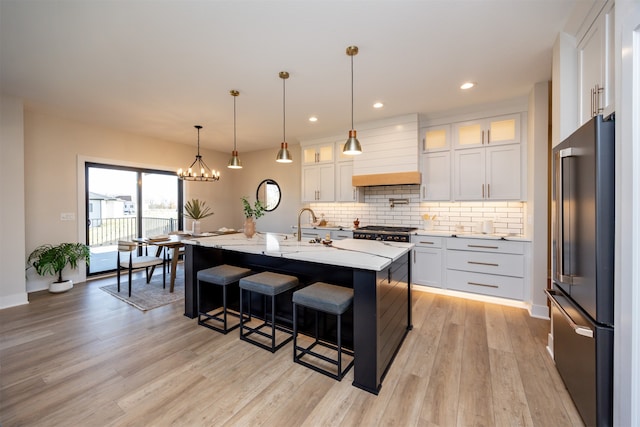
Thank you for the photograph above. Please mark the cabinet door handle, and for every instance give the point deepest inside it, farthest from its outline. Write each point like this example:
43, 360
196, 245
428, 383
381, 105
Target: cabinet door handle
598, 91
482, 284
482, 246
482, 137
489, 136
488, 191
490, 264
414, 256
483, 191
424, 191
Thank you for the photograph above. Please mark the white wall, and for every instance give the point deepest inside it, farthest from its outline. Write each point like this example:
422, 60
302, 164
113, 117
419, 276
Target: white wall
626, 364
12, 208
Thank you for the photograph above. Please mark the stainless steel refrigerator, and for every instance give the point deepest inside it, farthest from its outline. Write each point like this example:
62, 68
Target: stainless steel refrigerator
581, 297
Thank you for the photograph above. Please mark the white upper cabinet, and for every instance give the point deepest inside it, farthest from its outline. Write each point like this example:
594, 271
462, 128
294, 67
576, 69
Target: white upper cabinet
318, 183
436, 176
491, 173
345, 191
485, 132
436, 138
596, 66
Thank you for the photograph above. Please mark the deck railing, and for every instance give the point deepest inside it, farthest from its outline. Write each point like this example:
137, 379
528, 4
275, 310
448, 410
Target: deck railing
107, 231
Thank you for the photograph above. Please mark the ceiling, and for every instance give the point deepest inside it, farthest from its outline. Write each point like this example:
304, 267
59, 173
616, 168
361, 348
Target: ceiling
156, 68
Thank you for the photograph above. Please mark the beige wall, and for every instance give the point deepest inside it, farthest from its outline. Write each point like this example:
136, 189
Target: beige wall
259, 165
12, 261
56, 149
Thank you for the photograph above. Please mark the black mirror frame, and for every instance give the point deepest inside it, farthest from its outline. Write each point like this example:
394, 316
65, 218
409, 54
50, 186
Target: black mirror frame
272, 182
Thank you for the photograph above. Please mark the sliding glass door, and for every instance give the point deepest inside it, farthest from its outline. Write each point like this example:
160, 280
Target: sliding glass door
123, 203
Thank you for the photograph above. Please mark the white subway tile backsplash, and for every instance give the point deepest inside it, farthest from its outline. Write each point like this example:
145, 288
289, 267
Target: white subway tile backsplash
508, 217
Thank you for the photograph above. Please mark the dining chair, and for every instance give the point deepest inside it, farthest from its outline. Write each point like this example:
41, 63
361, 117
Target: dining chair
132, 263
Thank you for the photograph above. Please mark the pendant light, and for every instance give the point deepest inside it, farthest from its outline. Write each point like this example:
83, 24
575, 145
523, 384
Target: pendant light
191, 174
234, 161
352, 146
283, 154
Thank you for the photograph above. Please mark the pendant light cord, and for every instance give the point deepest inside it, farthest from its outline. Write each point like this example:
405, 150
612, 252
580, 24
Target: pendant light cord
351, 91
284, 111
234, 123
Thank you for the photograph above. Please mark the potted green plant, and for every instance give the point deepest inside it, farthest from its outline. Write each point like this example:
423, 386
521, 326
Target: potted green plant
251, 213
52, 259
196, 210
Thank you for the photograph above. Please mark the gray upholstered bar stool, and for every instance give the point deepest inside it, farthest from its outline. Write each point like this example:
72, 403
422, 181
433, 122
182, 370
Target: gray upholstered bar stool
224, 276
329, 299
267, 284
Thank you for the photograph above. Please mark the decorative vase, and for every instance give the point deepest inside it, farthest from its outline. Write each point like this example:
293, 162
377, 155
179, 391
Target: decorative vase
195, 227
249, 227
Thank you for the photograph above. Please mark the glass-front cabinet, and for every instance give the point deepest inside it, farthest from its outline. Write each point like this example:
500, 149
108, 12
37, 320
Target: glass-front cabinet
436, 138
490, 131
321, 153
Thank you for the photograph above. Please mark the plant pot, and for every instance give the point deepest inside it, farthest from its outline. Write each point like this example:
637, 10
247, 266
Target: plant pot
249, 227
195, 227
57, 287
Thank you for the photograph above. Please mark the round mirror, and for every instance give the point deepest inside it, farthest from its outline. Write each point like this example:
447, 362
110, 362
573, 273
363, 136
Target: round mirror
269, 194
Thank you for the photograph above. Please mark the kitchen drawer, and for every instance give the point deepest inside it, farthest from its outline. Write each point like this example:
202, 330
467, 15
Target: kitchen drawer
483, 262
486, 284
341, 234
486, 245
427, 241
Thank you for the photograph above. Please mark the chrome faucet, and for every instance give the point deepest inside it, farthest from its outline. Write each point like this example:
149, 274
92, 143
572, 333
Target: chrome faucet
313, 216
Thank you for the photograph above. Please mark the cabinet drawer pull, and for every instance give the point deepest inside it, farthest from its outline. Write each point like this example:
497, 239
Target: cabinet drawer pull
490, 264
426, 243
482, 284
482, 246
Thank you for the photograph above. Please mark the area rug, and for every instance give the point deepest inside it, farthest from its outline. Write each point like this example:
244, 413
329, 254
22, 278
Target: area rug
147, 296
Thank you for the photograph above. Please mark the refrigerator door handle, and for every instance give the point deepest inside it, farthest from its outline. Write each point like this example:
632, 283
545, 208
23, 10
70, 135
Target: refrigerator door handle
567, 152
585, 331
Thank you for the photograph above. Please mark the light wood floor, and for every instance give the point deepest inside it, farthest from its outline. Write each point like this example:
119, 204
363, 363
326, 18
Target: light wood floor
84, 358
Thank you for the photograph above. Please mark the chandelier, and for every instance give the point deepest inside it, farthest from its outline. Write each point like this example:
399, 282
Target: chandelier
191, 174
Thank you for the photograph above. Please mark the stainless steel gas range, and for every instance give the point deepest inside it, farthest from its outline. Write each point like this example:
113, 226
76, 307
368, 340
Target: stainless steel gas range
384, 232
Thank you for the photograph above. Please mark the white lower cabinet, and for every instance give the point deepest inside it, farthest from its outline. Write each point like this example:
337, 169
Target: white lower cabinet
487, 267
426, 266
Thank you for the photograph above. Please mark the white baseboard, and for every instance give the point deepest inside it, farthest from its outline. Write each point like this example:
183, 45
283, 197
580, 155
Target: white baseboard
550, 345
539, 311
13, 300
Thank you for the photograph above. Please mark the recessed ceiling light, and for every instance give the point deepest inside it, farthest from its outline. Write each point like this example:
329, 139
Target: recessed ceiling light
467, 85
378, 105
313, 119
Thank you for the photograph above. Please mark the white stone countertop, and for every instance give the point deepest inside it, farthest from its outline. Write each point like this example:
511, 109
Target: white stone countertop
362, 254
469, 235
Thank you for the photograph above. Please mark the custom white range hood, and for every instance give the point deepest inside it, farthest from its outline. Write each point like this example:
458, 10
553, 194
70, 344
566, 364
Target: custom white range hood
389, 153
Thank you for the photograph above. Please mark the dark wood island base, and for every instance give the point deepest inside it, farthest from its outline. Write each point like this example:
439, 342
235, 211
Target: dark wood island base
381, 304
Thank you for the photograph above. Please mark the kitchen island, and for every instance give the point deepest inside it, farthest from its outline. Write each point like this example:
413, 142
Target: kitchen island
378, 272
